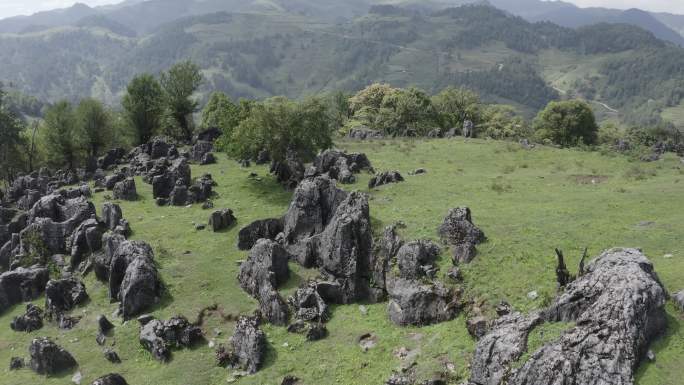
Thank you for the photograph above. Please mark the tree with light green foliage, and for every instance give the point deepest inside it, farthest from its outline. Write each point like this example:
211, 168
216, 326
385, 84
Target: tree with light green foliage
94, 126
220, 112
406, 112
501, 122
280, 125
61, 135
143, 106
179, 83
566, 123
453, 106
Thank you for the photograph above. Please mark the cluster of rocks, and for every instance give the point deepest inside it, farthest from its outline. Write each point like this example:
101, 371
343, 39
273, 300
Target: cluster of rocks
617, 308
341, 166
26, 190
364, 133
62, 296
384, 178
160, 337
660, 148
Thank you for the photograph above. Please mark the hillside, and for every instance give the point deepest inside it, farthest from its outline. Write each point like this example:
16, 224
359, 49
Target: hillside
627, 204
250, 55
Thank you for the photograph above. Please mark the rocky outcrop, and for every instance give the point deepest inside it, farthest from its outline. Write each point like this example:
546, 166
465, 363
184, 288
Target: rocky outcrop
417, 259
110, 379
221, 220
458, 231
341, 166
250, 234
265, 269
344, 248
288, 172
309, 305
413, 302
200, 149
30, 321
112, 158
133, 278
62, 296
362, 133
125, 190
384, 178
86, 240
22, 285
49, 358
248, 345
617, 307
160, 337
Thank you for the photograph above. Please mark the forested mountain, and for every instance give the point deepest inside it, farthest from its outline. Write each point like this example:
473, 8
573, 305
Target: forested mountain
282, 48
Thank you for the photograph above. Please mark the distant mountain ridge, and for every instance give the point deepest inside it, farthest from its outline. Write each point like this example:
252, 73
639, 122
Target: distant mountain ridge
144, 16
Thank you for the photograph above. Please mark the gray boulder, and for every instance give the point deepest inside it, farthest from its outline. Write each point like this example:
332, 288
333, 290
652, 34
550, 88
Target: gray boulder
63, 295
384, 178
111, 215
308, 304
125, 190
415, 303
458, 231
266, 229
265, 265
344, 248
617, 307
160, 337
385, 250
248, 345
30, 321
416, 259
22, 285
221, 220
341, 166
200, 149
86, 240
133, 278
49, 358
110, 379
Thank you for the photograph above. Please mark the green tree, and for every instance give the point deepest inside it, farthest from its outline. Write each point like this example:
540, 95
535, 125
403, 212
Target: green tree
280, 125
502, 122
10, 141
61, 137
567, 123
179, 83
221, 112
456, 105
143, 106
94, 126
405, 111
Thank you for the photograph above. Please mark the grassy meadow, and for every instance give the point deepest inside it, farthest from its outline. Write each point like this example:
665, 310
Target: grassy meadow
527, 201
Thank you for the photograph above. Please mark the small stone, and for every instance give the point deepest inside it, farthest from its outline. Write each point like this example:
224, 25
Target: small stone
200, 227
16, 363
363, 309
111, 356
651, 356
533, 295
668, 256
76, 379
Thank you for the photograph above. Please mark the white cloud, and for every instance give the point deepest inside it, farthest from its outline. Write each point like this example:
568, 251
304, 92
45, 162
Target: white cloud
26, 7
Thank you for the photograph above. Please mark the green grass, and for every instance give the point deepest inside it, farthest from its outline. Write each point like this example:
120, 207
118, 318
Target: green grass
547, 200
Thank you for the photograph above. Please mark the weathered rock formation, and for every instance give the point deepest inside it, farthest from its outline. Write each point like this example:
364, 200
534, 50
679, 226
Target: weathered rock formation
341, 166
461, 234
62, 296
221, 220
110, 379
266, 228
49, 358
160, 337
384, 178
125, 190
248, 345
22, 285
617, 308
133, 278
30, 321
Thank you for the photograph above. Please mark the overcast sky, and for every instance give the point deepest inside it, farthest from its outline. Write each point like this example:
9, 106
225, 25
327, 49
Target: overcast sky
26, 7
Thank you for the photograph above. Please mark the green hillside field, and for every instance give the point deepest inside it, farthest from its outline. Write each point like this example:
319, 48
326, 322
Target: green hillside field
527, 201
